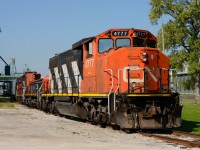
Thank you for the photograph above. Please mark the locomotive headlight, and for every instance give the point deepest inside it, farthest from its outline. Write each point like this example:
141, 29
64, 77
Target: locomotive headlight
134, 84
144, 56
144, 53
144, 59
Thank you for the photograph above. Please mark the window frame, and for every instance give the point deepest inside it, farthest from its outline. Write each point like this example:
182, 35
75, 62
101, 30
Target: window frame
121, 39
113, 43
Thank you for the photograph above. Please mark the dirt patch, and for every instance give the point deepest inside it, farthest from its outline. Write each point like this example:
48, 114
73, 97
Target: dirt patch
6, 104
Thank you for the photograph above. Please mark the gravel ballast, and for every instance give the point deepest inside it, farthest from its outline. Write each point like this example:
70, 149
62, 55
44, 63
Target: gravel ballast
24, 128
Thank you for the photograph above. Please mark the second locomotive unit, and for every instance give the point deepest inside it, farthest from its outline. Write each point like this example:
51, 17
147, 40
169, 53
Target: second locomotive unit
118, 77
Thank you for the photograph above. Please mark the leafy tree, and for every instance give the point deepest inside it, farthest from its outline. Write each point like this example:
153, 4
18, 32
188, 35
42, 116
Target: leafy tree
181, 34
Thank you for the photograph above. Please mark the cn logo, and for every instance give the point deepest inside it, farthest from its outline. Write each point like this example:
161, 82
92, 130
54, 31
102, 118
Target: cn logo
136, 68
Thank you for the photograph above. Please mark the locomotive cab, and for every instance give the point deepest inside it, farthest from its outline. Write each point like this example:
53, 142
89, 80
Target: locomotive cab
132, 58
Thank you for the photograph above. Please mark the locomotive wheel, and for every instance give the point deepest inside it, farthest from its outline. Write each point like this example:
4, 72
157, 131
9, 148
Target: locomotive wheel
129, 131
43, 104
93, 121
102, 120
116, 127
103, 125
52, 107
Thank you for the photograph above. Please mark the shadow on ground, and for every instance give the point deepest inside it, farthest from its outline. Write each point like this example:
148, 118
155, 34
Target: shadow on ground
189, 126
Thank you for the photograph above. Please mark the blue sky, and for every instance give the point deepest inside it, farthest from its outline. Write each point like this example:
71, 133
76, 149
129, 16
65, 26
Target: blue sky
35, 30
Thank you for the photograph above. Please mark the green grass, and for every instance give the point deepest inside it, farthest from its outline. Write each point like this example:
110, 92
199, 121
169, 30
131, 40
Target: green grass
6, 104
190, 117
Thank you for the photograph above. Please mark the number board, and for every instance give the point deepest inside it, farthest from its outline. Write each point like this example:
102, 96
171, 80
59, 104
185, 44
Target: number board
120, 33
141, 34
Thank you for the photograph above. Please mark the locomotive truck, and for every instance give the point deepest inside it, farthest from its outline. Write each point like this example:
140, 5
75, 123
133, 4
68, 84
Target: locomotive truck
118, 77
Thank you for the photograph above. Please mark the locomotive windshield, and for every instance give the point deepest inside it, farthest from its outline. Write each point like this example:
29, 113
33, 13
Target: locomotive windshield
105, 44
151, 43
139, 42
123, 42
124, 38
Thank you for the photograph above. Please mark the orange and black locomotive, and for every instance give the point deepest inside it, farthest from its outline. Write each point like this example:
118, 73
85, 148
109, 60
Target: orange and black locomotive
118, 77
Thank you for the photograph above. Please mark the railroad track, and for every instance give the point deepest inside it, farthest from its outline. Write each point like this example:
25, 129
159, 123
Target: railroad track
177, 137
180, 133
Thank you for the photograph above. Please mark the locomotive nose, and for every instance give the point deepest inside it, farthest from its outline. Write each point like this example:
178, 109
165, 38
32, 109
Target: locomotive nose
145, 71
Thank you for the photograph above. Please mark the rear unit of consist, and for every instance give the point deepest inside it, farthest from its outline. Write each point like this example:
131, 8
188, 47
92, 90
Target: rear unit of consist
118, 77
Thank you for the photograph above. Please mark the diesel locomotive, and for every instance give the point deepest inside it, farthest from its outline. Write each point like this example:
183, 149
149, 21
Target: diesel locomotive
118, 77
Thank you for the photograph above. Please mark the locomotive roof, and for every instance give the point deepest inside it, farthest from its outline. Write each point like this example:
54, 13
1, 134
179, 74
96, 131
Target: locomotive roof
81, 42
78, 44
134, 30
84, 40
30, 72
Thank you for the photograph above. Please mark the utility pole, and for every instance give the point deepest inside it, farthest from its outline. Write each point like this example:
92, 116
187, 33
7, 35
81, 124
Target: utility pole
163, 40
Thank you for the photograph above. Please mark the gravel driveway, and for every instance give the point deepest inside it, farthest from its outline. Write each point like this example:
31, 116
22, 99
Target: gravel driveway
23, 128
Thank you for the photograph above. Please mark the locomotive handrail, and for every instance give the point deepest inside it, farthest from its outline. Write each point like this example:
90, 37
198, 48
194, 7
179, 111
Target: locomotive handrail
118, 84
23, 95
165, 69
38, 92
110, 89
134, 68
117, 88
39, 88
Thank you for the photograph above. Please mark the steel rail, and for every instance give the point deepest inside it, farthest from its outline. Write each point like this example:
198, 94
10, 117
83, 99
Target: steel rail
176, 140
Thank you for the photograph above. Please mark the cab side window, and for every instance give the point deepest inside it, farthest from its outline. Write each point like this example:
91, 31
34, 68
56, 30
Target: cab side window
89, 49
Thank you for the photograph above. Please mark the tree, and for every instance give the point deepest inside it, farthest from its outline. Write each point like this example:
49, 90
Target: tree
181, 34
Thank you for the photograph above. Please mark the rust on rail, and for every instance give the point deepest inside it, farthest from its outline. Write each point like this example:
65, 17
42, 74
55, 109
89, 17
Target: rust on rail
178, 141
